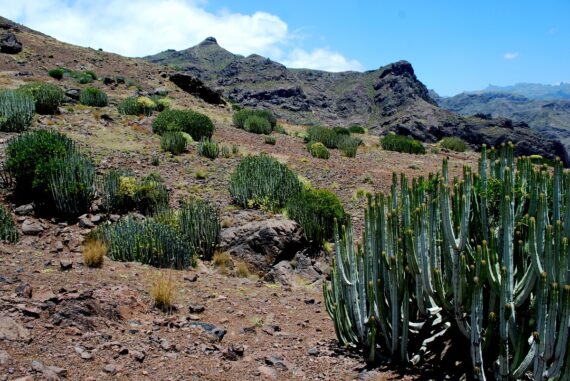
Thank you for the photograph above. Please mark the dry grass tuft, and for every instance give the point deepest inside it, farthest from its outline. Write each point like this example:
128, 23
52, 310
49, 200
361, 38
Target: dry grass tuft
227, 221
164, 290
242, 271
94, 252
223, 262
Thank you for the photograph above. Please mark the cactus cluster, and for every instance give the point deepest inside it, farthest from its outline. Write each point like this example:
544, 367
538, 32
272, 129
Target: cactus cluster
487, 253
92, 96
16, 111
199, 223
208, 148
331, 138
147, 242
173, 142
47, 97
8, 229
262, 181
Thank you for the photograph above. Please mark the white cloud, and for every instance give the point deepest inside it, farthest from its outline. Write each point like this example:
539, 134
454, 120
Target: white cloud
511, 56
144, 27
322, 59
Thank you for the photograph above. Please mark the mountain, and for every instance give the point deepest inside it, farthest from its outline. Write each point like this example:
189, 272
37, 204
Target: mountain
532, 90
548, 117
390, 98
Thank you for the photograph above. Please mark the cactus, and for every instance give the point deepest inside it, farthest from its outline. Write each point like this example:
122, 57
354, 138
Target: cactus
262, 181
16, 111
8, 230
208, 148
488, 253
72, 184
173, 142
92, 96
47, 97
147, 242
200, 225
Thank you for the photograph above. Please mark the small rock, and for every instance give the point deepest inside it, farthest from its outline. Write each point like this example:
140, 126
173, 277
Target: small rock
313, 352
267, 372
59, 246
85, 223
110, 368
60, 372
139, 356
96, 219
278, 361
114, 217
30, 227
196, 308
5, 358
65, 265
12, 331
191, 278
73, 94
86, 355
234, 352
24, 210
24, 290
37, 366
166, 345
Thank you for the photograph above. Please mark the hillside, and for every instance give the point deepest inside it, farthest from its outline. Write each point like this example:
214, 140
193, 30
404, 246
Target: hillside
390, 98
548, 117
536, 91
60, 319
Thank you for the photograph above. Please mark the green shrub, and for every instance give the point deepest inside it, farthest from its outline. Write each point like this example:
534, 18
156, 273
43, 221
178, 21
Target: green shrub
316, 212
8, 229
208, 148
30, 160
16, 111
199, 224
318, 150
270, 140
147, 242
121, 191
348, 145
72, 184
262, 181
405, 144
47, 97
356, 129
257, 125
280, 130
162, 103
92, 74
241, 116
341, 131
151, 195
137, 106
327, 136
56, 73
453, 143
225, 152
173, 142
197, 125
91, 96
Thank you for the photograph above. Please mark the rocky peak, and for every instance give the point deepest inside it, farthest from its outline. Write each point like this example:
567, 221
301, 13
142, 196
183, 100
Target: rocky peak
400, 68
209, 41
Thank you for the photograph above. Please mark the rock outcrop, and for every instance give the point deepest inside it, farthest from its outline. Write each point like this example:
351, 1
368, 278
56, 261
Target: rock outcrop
9, 44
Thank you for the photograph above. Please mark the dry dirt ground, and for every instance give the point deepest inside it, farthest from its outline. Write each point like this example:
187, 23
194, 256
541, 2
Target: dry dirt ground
59, 319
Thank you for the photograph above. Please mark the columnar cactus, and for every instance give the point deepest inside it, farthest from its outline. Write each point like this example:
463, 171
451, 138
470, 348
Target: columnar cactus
487, 253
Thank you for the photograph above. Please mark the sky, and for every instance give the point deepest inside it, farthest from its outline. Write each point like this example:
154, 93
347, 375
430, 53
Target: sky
453, 45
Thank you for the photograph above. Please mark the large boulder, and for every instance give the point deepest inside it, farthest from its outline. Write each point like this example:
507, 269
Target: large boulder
264, 243
9, 44
196, 87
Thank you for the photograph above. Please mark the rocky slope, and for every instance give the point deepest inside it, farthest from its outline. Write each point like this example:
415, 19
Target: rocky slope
390, 98
548, 117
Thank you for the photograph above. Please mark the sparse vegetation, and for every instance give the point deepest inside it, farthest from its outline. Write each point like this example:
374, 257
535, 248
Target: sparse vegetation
242, 271
356, 129
348, 146
404, 144
318, 150
241, 116
8, 229
173, 142
47, 97
223, 262
16, 111
262, 181
94, 252
198, 125
453, 143
341, 131
270, 140
92, 96
257, 125
316, 211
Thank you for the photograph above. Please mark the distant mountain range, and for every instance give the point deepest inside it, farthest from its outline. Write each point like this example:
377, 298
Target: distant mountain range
390, 98
546, 108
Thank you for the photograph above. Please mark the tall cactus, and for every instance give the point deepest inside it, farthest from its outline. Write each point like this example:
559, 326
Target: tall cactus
487, 253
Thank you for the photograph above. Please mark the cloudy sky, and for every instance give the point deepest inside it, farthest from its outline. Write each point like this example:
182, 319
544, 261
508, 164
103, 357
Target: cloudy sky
453, 45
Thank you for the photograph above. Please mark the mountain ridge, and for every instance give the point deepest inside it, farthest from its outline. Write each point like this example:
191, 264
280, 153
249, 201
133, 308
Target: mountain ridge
390, 98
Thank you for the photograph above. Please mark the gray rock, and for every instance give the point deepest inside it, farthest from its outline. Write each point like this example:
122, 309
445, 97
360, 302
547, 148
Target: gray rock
5, 358
313, 352
196, 308
85, 222
24, 210
110, 368
218, 332
65, 265
24, 290
138, 356
9, 44
11, 330
30, 227
279, 362
73, 94
264, 243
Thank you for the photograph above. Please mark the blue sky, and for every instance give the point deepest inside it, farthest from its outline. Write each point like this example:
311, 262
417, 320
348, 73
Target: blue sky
453, 45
